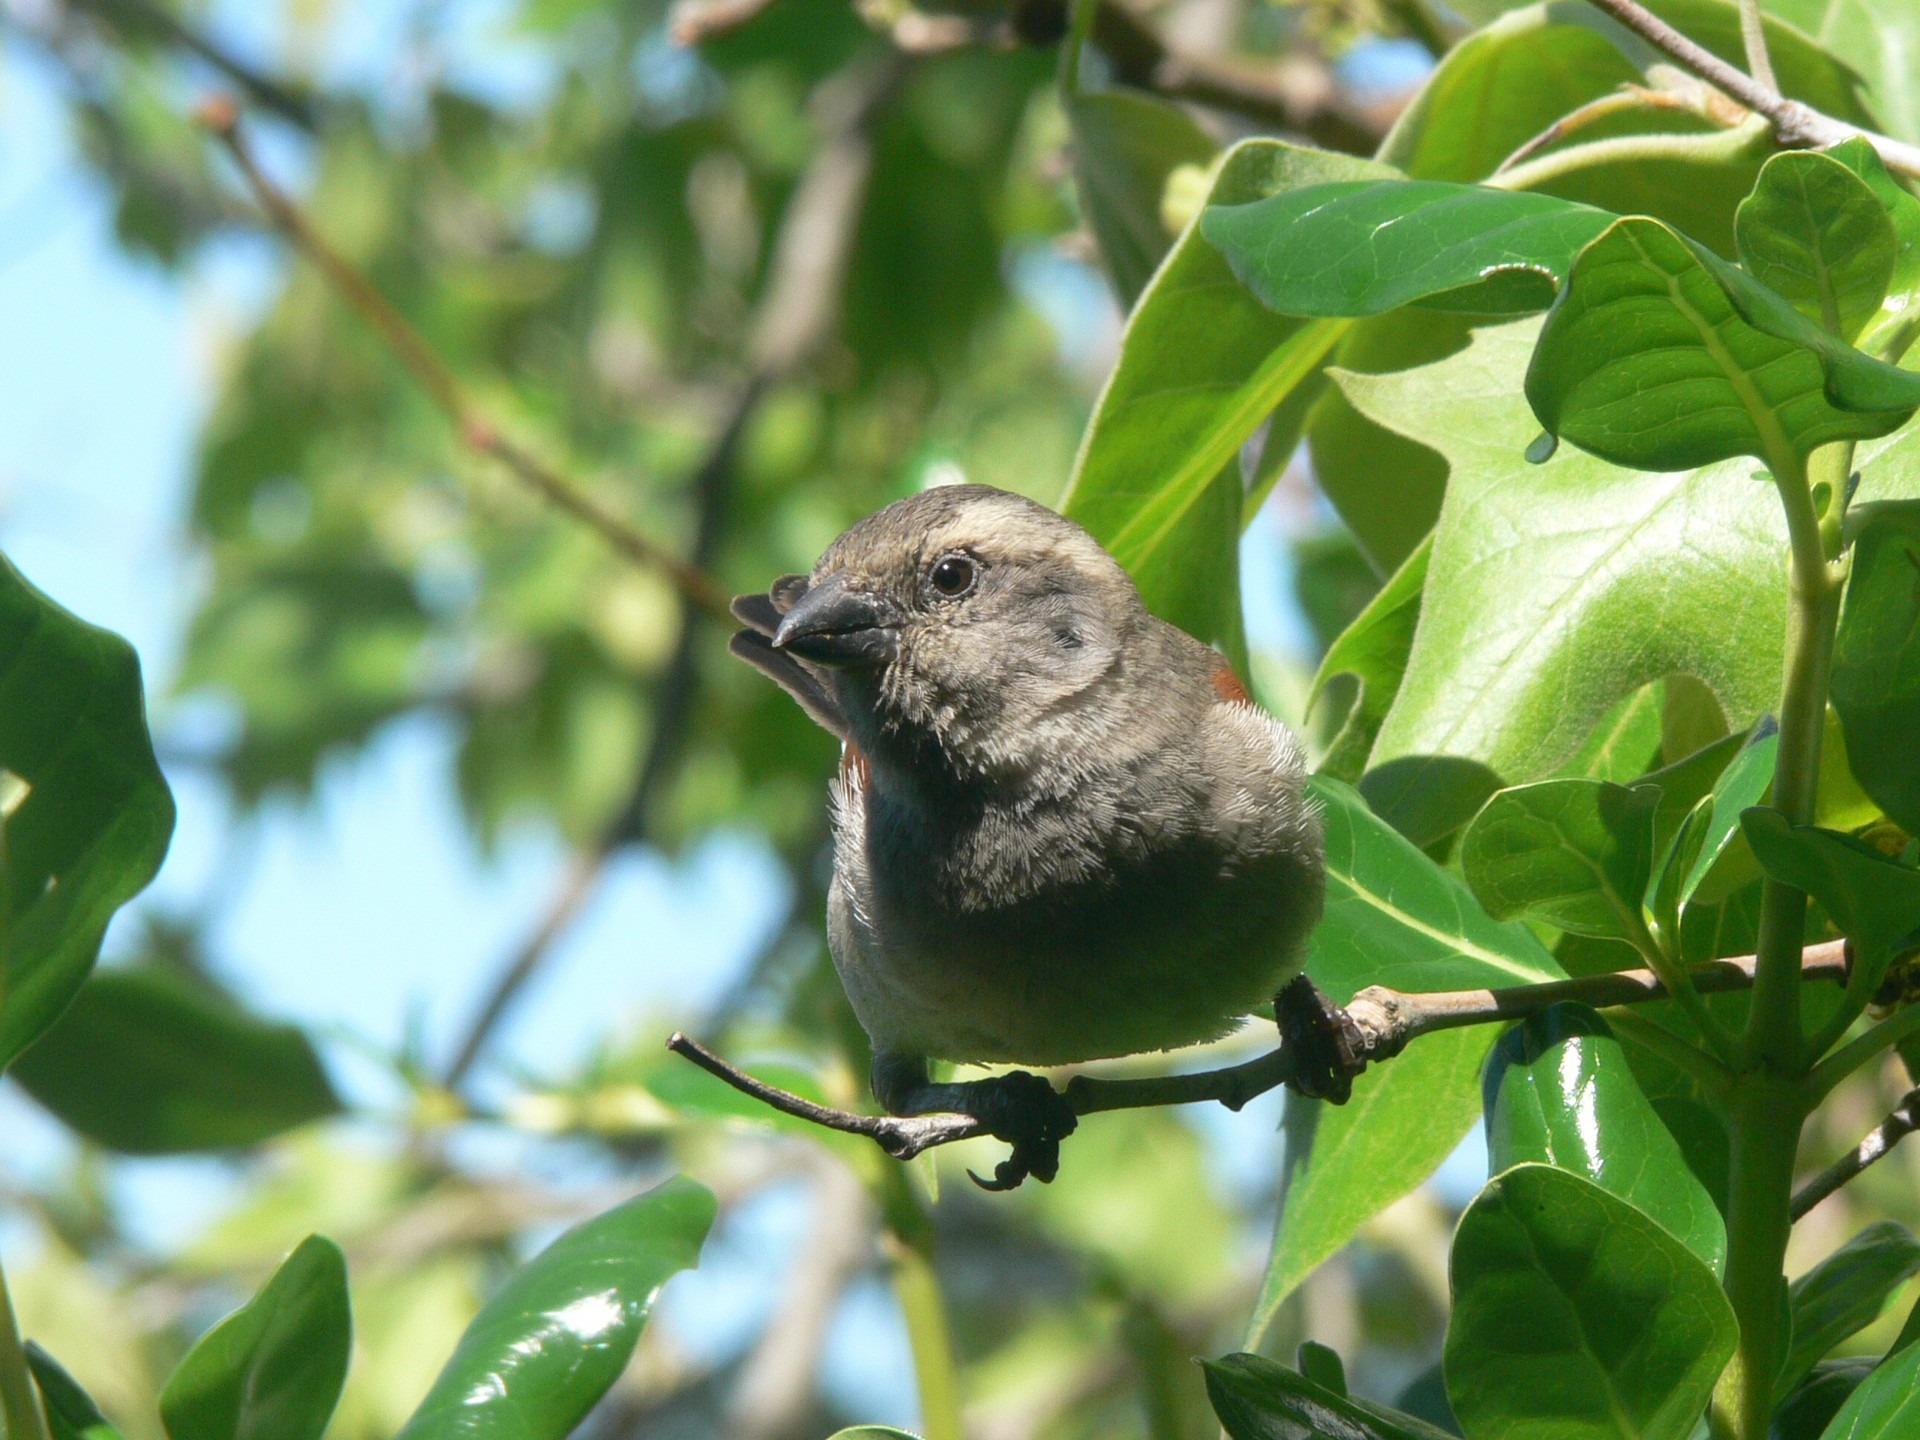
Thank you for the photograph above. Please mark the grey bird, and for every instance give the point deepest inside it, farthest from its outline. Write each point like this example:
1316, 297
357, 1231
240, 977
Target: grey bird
1062, 832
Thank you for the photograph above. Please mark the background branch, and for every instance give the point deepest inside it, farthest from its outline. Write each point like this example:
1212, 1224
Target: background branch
1904, 1120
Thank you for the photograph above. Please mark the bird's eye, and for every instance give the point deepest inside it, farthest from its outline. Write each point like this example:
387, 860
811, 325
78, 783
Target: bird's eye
951, 576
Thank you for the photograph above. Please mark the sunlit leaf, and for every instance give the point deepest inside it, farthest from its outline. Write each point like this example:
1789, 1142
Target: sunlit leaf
1876, 660
1575, 854
1815, 233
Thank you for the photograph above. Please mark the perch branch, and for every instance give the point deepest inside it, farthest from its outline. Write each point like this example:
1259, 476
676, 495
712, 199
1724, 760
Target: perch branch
222, 117
1794, 123
1904, 1120
1388, 1021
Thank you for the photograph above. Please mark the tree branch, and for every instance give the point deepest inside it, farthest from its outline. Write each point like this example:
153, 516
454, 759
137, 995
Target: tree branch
1794, 123
1388, 1020
1904, 1120
476, 430
139, 17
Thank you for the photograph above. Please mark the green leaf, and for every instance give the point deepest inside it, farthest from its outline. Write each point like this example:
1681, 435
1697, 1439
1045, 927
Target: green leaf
1873, 898
1876, 660
1393, 917
1845, 1293
560, 1331
1257, 1399
1321, 1365
1811, 1405
1363, 247
1887, 1404
1373, 649
1660, 355
149, 1062
1573, 1309
272, 1370
1202, 365
1880, 39
84, 813
1816, 233
1575, 854
1559, 1091
1903, 211
1553, 592
1626, 742
1125, 145
71, 1413
873, 1432
1742, 785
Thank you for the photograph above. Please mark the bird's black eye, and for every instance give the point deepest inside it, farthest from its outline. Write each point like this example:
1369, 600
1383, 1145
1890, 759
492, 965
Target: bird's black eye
951, 576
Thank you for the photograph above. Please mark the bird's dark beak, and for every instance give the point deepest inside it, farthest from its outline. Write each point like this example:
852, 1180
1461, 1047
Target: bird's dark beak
834, 625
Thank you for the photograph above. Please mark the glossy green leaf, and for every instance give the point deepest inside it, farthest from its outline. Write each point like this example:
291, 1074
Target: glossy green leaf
1257, 1399
1661, 356
1393, 918
560, 1331
1363, 247
149, 1062
1575, 854
1844, 1294
1743, 784
1559, 1091
1202, 365
1815, 233
1574, 1312
1373, 649
84, 813
1125, 145
71, 1413
1886, 1406
273, 1369
1872, 897
1876, 660
1554, 592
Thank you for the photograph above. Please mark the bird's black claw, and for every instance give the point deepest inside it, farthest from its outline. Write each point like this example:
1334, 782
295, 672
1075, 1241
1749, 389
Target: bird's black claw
1029, 1114
1329, 1048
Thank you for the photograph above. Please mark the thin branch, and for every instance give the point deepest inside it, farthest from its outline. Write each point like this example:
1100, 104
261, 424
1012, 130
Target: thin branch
132, 17
1794, 123
1388, 1020
1904, 1120
475, 429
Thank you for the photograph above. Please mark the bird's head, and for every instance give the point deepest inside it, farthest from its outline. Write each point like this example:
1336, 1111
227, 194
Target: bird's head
967, 617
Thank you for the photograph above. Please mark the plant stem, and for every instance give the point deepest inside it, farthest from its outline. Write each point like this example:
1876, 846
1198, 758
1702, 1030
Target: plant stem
1753, 36
918, 1291
19, 1395
1861, 1050
1713, 148
1768, 1101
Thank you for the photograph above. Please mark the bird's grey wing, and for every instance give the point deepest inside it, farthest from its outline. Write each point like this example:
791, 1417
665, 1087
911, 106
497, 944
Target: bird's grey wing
806, 683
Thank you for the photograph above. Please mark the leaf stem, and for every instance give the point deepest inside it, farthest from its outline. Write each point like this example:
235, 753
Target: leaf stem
918, 1291
19, 1395
1753, 37
1861, 1050
1713, 148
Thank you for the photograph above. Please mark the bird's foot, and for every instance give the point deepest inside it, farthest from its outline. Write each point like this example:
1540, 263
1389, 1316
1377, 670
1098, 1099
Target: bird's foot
1329, 1050
1030, 1115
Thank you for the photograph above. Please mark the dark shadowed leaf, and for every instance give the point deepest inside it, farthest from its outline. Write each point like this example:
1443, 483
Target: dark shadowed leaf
1575, 854
1661, 356
1125, 145
1257, 1399
272, 1370
149, 1062
1876, 661
1873, 898
1844, 1294
560, 1331
84, 813
1811, 1405
1625, 1330
1559, 1091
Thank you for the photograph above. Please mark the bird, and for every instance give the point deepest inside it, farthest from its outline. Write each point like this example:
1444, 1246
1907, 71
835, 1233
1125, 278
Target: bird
1062, 830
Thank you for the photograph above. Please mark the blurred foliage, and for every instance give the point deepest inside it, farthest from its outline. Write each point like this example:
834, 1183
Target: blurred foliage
744, 291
